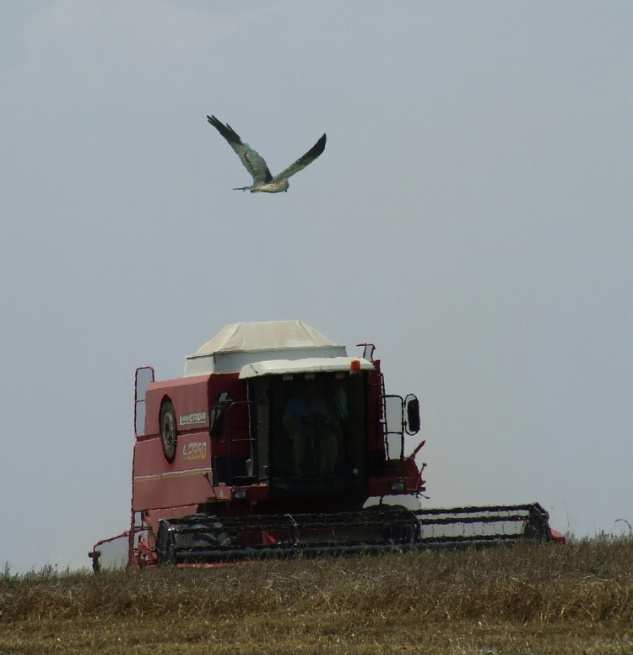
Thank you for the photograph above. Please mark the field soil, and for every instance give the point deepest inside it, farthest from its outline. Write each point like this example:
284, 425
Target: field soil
518, 600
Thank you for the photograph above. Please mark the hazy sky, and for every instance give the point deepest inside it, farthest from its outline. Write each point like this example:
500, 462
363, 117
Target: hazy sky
471, 215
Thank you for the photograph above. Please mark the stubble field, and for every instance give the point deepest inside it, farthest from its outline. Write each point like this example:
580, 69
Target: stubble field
525, 599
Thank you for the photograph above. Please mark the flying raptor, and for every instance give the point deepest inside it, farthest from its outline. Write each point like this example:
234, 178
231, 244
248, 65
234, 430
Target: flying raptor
255, 164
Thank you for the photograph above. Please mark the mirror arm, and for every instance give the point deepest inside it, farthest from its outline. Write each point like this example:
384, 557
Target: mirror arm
417, 450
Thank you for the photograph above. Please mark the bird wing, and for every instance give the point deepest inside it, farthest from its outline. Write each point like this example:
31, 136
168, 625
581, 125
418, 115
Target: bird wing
303, 161
252, 160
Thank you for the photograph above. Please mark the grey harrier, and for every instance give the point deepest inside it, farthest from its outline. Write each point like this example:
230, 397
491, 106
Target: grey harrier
256, 166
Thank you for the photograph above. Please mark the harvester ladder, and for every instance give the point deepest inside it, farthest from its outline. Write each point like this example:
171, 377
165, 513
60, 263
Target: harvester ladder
387, 425
383, 413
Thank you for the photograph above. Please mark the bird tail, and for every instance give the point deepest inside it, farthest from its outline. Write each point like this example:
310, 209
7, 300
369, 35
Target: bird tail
241, 188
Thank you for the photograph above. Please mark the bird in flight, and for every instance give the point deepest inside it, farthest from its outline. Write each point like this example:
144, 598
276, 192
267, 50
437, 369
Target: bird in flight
263, 180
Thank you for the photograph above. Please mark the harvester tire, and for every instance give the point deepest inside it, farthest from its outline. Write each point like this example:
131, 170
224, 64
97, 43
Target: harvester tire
406, 530
189, 539
168, 431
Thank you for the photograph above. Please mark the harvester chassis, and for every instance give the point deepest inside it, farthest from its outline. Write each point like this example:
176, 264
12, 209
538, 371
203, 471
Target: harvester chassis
247, 457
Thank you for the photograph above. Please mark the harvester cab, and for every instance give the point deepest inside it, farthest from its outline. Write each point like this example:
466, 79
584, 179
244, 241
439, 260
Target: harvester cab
270, 445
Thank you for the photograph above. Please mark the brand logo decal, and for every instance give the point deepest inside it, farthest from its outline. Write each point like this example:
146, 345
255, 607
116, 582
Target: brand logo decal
195, 450
193, 419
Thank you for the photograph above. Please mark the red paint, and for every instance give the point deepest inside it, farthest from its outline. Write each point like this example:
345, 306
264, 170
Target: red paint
557, 536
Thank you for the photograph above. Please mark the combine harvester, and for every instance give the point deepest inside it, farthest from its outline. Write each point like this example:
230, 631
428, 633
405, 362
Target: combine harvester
271, 445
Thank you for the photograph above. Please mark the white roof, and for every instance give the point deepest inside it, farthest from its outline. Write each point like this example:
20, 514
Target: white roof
264, 335
307, 365
239, 344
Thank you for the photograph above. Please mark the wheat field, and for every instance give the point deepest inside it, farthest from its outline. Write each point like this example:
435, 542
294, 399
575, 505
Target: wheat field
516, 600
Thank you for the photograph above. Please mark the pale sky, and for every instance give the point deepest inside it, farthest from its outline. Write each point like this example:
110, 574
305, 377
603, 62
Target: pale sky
471, 215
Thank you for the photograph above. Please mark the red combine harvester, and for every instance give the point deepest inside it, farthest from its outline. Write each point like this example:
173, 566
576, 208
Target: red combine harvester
271, 445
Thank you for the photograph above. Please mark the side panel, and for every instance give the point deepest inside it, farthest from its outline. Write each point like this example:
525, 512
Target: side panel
189, 479
191, 402
186, 480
